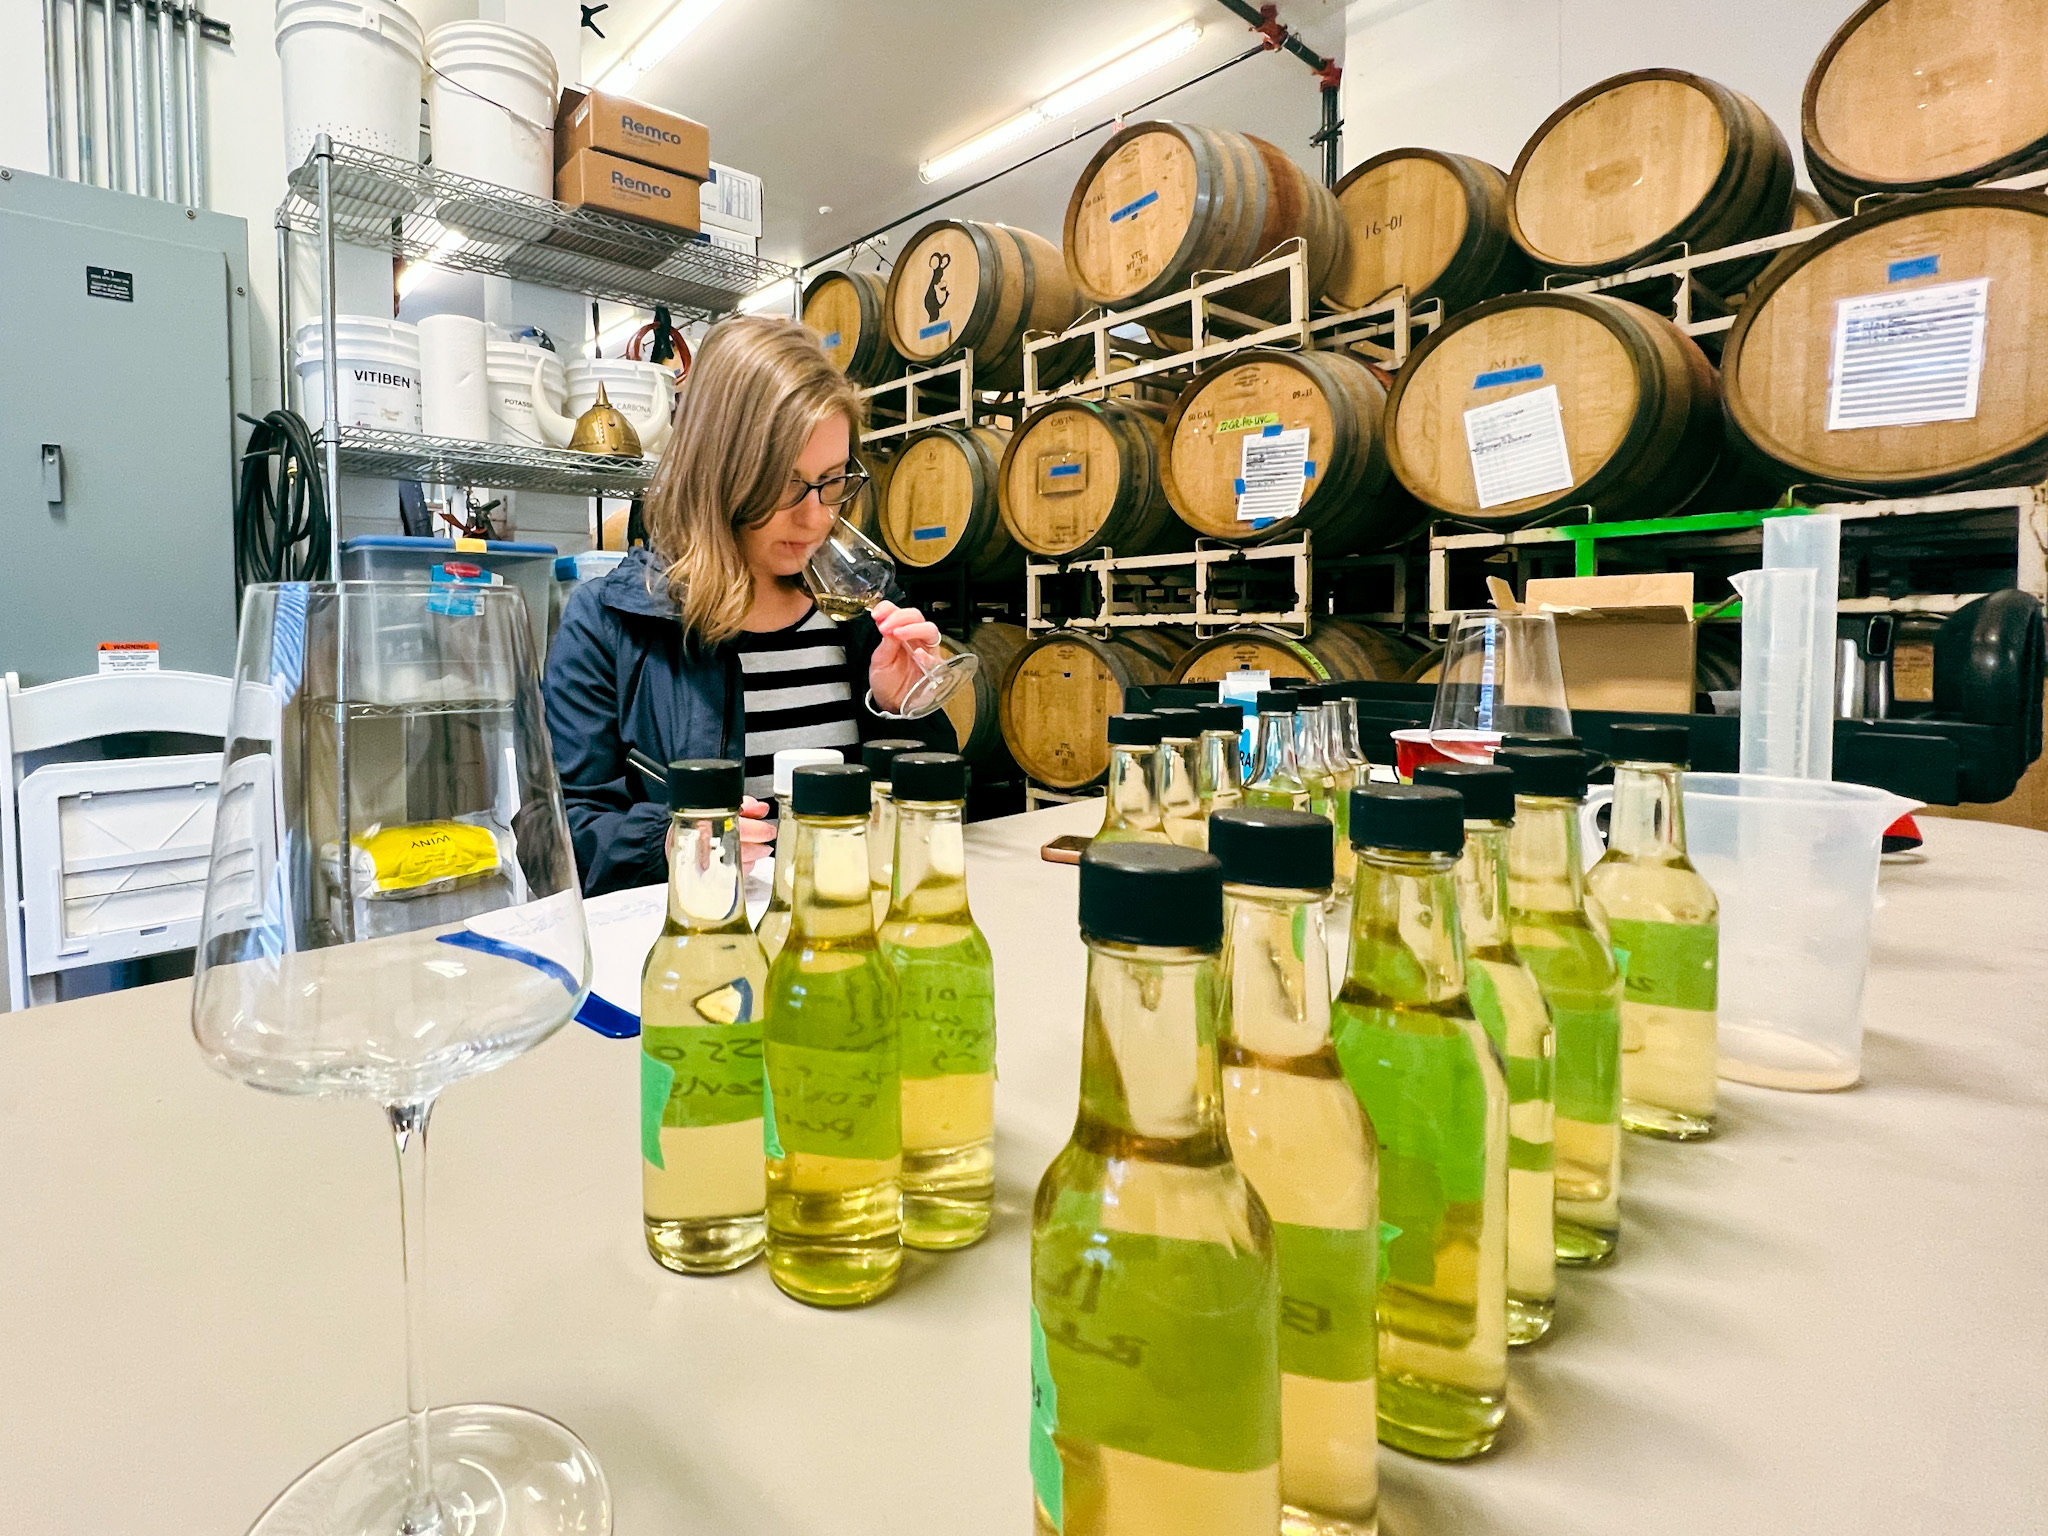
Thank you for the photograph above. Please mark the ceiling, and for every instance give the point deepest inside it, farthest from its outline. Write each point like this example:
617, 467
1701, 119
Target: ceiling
834, 102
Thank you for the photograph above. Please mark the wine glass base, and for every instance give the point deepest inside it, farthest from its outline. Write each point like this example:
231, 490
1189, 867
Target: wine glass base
499, 1471
939, 684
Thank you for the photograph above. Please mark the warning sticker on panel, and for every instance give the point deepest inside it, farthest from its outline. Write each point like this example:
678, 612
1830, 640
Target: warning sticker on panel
1518, 448
1901, 359
1272, 475
127, 656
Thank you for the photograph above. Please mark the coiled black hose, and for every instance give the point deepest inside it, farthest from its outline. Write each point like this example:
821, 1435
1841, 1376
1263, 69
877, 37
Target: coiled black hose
281, 526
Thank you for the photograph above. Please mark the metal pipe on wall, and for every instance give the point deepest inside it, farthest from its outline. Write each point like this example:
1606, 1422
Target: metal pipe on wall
167, 104
80, 134
195, 174
103, 143
53, 66
138, 100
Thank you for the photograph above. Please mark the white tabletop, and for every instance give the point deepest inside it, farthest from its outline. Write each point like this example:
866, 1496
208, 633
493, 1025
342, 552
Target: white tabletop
1829, 1320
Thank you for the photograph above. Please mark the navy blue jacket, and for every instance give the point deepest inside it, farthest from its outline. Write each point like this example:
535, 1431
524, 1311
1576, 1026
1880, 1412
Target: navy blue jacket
622, 675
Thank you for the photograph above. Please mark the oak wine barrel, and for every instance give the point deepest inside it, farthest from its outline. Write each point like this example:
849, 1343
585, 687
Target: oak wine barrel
1164, 201
1807, 210
1630, 167
1634, 398
865, 510
976, 711
966, 286
849, 312
1348, 498
1334, 650
939, 511
1061, 690
1080, 474
1918, 95
1435, 222
1888, 420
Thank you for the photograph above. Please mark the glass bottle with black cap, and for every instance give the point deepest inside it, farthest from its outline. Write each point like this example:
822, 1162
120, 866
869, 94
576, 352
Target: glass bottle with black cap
945, 1011
876, 757
1509, 1006
1563, 937
1428, 1076
1180, 795
1300, 1135
1342, 775
1662, 914
701, 992
1154, 1301
1220, 776
1276, 782
1130, 812
833, 1123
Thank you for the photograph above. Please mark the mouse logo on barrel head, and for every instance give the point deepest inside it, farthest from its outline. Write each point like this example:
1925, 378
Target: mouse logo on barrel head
936, 292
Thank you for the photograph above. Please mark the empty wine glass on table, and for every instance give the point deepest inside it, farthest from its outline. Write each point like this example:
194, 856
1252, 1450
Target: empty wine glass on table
391, 907
1500, 677
847, 575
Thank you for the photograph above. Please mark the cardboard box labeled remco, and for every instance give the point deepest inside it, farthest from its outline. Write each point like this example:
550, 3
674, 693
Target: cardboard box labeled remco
593, 179
1624, 642
618, 125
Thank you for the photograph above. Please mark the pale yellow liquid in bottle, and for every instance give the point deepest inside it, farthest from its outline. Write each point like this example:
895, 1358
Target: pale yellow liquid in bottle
700, 1014
1130, 810
1180, 798
946, 1027
774, 925
834, 1218
881, 850
1277, 782
1664, 915
1301, 1138
1150, 1250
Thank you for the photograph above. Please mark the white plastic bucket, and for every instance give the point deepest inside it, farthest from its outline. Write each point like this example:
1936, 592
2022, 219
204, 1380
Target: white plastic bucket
491, 98
641, 390
380, 373
510, 368
455, 397
352, 71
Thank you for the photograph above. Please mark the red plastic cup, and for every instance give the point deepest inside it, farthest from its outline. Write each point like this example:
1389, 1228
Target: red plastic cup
1417, 746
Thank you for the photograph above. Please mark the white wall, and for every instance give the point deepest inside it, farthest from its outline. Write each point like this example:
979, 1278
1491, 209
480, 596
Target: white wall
1478, 76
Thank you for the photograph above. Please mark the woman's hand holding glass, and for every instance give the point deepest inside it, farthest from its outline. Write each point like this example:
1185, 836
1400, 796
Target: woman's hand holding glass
895, 667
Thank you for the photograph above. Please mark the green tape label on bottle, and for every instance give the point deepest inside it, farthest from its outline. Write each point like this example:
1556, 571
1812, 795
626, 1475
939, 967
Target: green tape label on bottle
771, 1143
1588, 1075
945, 1012
1327, 1280
1484, 996
715, 1071
1163, 1347
656, 1079
1048, 1477
1671, 965
835, 1103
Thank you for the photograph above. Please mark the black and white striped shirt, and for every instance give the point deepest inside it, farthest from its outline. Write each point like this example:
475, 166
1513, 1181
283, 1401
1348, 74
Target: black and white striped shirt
797, 694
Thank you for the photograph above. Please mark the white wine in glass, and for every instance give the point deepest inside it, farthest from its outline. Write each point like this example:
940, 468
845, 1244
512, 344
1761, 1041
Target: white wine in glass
392, 906
846, 576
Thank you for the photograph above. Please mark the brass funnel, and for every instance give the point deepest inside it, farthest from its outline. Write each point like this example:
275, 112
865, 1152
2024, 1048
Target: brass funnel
604, 429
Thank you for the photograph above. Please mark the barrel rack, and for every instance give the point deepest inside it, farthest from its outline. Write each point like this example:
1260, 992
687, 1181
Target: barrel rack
956, 375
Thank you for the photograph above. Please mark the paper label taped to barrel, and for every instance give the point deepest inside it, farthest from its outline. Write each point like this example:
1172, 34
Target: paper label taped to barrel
1903, 359
1272, 474
1518, 448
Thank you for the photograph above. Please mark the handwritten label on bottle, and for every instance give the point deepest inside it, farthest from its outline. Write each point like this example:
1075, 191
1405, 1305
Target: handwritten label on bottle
1327, 1281
715, 1071
1671, 965
946, 1013
836, 1103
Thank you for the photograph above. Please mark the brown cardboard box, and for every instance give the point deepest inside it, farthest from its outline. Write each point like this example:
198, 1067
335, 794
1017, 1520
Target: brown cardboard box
621, 126
1625, 642
593, 179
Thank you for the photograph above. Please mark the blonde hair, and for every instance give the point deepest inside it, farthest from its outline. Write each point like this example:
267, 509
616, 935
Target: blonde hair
757, 390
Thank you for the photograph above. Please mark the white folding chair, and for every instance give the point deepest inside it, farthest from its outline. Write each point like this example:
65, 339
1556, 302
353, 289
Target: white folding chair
104, 859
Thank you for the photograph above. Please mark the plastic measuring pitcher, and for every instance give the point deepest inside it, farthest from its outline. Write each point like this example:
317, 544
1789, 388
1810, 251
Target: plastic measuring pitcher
1794, 864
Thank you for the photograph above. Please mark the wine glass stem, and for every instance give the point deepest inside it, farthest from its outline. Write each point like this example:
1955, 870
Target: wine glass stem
423, 1514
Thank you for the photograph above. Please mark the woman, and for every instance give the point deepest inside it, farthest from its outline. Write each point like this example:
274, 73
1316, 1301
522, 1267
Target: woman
707, 644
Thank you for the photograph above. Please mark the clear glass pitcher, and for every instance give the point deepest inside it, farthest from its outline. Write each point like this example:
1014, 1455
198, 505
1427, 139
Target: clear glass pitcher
1794, 863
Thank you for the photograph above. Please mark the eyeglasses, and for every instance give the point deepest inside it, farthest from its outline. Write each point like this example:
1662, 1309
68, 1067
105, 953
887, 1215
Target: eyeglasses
833, 490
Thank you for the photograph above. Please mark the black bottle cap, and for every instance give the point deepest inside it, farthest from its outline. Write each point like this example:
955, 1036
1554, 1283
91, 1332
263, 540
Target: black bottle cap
1649, 744
1178, 724
706, 784
1221, 717
877, 756
930, 776
1151, 893
1309, 695
1413, 818
1488, 788
1525, 739
1135, 730
1271, 847
1277, 701
1546, 771
830, 789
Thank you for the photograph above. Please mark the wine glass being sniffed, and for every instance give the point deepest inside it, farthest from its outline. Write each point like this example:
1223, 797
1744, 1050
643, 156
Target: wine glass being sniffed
391, 907
846, 576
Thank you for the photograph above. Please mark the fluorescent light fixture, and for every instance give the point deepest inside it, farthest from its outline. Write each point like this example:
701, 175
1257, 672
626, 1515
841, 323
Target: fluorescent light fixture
780, 294
659, 41
1116, 74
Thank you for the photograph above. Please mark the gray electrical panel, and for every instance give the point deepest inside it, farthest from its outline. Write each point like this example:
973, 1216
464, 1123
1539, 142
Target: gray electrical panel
124, 357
